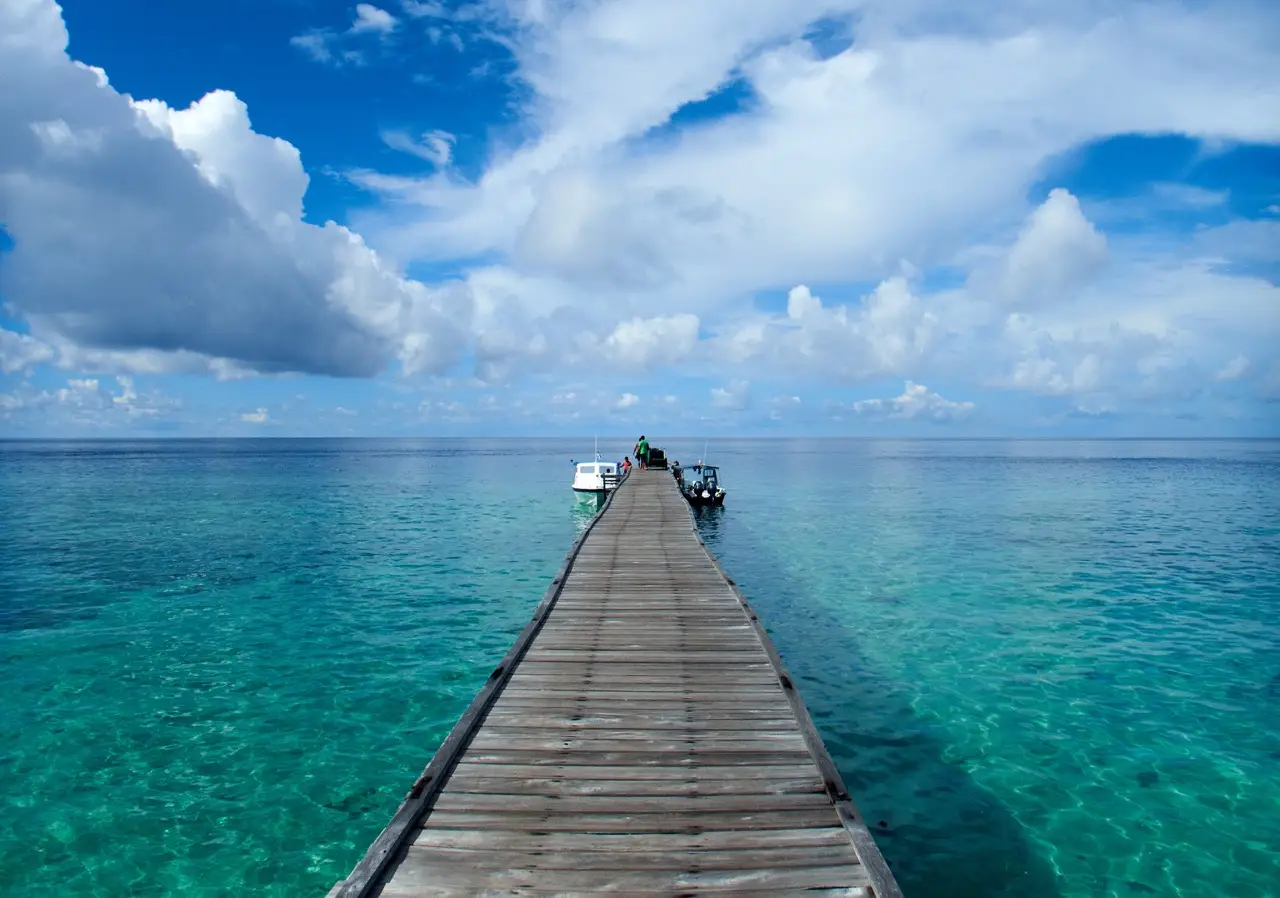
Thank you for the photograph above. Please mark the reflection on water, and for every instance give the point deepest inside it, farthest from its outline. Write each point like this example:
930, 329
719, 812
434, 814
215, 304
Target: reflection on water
585, 506
708, 519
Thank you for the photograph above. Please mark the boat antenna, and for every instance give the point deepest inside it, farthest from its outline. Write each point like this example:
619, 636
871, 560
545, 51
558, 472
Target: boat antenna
596, 438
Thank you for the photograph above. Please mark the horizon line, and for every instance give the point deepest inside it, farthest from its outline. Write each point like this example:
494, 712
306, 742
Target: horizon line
153, 438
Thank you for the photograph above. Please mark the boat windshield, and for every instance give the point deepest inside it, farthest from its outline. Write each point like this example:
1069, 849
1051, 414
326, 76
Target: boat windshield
706, 474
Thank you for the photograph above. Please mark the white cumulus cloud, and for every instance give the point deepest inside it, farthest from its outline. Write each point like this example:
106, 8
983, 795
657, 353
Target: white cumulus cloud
887, 333
644, 342
372, 18
917, 402
1058, 250
185, 227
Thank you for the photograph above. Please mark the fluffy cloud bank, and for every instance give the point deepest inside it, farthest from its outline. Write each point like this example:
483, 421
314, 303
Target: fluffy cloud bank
618, 240
137, 227
910, 145
893, 148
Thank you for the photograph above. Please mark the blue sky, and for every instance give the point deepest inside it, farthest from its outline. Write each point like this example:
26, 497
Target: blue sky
828, 217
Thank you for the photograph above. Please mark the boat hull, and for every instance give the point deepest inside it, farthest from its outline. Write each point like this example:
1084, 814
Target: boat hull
704, 501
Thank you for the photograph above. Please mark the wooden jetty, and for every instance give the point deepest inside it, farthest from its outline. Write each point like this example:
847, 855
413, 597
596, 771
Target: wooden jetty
640, 737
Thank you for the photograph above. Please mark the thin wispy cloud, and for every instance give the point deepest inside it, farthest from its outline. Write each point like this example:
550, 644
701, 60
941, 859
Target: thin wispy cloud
329, 46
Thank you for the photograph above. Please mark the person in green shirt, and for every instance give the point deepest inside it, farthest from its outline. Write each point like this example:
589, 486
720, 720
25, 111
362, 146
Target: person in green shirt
642, 453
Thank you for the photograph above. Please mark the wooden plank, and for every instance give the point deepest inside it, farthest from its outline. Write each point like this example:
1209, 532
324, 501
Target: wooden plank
669, 822
605, 678
524, 840
590, 702
646, 642
418, 872
695, 757
700, 676
706, 676
438, 891
702, 773
567, 788
634, 740
727, 657
673, 721
700, 673
621, 634
639, 642
644, 744
677, 860
583, 705
467, 801
621, 714
674, 725
706, 669
652, 693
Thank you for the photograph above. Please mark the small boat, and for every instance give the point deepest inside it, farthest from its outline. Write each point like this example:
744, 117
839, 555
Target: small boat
595, 476
700, 485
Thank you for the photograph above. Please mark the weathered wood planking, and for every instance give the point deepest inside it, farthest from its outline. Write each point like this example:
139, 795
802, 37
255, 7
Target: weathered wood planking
641, 736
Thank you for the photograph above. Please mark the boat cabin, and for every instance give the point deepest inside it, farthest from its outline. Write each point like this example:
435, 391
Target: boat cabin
595, 476
706, 475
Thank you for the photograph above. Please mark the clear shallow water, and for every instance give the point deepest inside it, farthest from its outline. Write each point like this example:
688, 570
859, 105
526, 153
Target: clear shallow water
1045, 668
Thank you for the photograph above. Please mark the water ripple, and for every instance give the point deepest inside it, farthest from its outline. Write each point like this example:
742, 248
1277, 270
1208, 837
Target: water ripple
1045, 668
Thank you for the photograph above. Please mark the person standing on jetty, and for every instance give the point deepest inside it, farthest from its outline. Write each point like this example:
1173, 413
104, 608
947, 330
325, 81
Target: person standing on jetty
642, 453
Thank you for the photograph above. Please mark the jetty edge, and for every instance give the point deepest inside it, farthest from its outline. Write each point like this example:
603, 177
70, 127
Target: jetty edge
642, 735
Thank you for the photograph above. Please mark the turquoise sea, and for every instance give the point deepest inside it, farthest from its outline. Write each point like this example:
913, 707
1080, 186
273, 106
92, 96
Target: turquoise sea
1045, 668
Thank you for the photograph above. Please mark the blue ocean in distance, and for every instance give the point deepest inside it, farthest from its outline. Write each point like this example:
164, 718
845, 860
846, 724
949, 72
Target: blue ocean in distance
1045, 668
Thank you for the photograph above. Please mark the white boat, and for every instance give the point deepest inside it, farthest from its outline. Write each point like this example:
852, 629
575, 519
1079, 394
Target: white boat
595, 476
